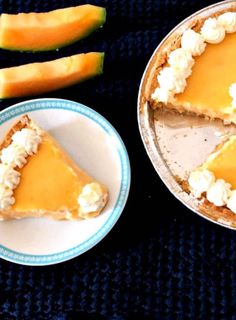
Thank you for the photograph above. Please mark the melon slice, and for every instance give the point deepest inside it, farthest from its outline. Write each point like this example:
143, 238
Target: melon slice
36, 78
50, 30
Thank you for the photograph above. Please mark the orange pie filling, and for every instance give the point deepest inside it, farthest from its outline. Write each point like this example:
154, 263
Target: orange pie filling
200, 76
207, 89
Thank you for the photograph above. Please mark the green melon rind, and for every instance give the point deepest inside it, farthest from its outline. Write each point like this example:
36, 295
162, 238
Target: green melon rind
98, 72
93, 28
101, 64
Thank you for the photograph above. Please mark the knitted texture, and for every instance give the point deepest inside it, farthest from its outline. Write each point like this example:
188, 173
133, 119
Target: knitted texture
160, 261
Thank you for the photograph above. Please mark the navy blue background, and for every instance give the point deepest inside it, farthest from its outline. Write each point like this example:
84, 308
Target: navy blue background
160, 261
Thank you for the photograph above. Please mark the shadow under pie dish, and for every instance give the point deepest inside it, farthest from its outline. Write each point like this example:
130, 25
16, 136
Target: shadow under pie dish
193, 74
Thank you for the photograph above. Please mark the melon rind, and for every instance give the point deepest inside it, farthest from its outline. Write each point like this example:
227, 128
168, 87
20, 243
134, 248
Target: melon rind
18, 35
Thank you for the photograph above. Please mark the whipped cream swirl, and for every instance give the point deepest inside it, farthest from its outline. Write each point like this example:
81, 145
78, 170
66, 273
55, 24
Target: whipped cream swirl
171, 80
91, 198
28, 139
14, 155
193, 42
217, 191
181, 61
8, 176
163, 95
200, 181
212, 31
228, 21
6, 197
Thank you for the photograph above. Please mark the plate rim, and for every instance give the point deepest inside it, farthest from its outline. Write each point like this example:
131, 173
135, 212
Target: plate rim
69, 105
147, 135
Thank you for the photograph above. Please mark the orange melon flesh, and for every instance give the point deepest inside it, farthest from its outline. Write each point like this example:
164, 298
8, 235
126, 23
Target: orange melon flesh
50, 30
36, 78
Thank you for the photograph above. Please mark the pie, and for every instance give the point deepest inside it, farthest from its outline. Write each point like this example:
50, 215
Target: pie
214, 182
38, 178
195, 73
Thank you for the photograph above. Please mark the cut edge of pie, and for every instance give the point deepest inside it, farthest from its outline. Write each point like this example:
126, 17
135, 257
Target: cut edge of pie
39, 190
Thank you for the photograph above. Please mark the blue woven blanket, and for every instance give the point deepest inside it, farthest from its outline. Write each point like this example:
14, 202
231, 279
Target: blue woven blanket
156, 263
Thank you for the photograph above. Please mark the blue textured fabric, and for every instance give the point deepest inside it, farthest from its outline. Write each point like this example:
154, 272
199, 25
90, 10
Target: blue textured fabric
156, 263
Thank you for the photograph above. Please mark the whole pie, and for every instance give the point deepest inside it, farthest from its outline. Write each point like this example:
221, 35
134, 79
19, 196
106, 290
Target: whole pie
38, 178
195, 73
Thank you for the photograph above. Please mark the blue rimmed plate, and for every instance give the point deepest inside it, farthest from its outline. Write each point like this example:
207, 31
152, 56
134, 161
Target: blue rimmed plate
96, 146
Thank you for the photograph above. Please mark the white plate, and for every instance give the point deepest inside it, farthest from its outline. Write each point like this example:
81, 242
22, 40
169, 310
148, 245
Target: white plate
96, 146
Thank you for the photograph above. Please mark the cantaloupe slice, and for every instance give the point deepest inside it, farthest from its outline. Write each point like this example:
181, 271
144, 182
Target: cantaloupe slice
36, 78
49, 30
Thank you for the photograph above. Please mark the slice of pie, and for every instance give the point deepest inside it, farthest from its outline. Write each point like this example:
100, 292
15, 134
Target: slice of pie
38, 178
214, 181
195, 72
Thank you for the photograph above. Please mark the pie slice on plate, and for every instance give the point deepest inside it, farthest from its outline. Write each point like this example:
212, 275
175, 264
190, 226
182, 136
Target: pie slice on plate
38, 178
